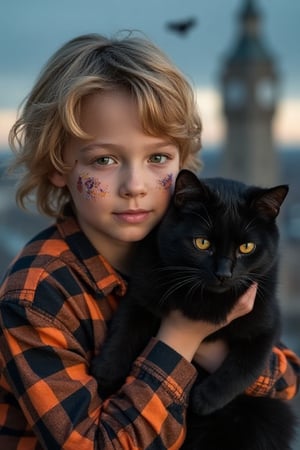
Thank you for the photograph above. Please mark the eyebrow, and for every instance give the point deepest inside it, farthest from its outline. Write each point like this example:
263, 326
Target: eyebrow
95, 145
113, 146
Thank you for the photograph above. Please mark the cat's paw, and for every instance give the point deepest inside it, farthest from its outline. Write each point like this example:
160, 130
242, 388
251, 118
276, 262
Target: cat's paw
108, 382
202, 403
107, 389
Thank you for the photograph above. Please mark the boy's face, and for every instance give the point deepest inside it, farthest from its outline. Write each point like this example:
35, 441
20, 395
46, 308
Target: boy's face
121, 180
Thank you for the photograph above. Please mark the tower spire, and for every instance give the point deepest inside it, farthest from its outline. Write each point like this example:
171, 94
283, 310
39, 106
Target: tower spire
249, 82
250, 17
250, 45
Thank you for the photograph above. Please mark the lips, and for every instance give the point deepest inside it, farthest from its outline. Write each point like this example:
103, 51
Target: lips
132, 216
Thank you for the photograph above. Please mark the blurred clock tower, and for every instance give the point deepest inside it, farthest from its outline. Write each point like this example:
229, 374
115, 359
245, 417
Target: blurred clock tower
249, 85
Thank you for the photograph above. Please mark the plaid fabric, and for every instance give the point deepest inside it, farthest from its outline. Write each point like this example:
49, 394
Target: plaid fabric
281, 378
55, 305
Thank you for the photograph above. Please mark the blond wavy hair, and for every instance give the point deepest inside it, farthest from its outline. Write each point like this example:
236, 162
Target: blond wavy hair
85, 65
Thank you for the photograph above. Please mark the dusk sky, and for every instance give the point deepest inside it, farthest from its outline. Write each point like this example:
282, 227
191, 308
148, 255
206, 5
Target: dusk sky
31, 31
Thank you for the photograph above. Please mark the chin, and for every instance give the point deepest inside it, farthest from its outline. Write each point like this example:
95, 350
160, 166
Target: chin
134, 236
217, 289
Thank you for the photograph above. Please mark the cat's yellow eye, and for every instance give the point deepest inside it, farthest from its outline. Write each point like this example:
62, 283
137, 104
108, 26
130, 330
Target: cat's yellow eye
247, 248
202, 243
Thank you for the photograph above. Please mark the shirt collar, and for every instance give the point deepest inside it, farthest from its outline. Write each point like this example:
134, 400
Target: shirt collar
99, 269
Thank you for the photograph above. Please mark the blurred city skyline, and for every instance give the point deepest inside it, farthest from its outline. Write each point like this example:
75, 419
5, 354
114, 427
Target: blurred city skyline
31, 33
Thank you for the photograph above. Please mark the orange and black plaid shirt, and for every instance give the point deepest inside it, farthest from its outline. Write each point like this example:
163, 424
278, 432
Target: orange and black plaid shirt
55, 305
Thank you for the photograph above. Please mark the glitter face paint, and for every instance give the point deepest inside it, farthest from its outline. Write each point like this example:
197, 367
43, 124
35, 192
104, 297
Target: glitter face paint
91, 187
166, 182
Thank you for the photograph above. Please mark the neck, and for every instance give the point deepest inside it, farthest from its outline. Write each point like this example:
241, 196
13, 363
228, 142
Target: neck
119, 255
122, 259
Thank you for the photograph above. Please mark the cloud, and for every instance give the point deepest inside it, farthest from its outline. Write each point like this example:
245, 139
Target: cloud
286, 123
7, 119
210, 107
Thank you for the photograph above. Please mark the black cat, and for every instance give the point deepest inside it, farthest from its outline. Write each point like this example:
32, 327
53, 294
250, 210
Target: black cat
218, 237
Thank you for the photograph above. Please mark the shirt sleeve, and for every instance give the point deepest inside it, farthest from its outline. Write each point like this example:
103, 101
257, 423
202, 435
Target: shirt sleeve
48, 373
281, 376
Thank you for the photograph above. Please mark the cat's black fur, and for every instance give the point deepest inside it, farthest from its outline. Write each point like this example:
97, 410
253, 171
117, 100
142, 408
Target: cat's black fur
173, 273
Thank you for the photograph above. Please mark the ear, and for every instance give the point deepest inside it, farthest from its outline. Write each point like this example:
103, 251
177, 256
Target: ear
188, 187
269, 201
57, 179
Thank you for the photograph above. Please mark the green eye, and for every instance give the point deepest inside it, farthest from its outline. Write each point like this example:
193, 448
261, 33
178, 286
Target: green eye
158, 159
202, 243
247, 248
104, 161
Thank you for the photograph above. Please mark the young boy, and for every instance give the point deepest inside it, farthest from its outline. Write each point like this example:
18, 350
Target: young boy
102, 136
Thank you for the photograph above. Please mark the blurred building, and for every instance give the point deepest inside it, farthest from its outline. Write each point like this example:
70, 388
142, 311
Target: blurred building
249, 84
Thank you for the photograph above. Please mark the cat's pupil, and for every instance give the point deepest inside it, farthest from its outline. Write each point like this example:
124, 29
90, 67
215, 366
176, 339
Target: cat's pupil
247, 247
202, 243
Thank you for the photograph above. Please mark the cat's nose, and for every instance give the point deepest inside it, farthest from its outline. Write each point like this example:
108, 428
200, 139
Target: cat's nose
224, 269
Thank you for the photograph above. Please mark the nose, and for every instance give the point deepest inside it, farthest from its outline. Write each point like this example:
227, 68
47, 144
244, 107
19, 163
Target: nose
224, 269
133, 183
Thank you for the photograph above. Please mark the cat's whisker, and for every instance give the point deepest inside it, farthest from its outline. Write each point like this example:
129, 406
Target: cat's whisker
179, 273
194, 288
206, 220
180, 283
179, 278
185, 281
173, 288
263, 283
179, 269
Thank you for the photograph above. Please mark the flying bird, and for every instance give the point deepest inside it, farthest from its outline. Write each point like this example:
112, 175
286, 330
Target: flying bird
182, 27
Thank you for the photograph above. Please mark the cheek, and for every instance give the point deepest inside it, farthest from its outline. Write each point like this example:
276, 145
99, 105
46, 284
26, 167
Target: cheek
166, 182
91, 188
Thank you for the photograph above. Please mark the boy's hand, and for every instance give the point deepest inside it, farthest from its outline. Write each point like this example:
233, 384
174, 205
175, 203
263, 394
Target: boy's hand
185, 335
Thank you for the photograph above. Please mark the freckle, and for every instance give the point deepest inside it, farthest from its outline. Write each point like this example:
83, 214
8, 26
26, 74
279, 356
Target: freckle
91, 187
166, 182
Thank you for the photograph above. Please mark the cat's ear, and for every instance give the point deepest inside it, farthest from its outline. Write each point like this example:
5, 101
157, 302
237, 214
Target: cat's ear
269, 201
188, 187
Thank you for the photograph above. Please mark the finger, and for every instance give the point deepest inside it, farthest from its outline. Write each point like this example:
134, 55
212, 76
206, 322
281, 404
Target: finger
247, 299
244, 304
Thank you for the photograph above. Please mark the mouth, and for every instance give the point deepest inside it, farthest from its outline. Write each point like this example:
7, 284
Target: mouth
132, 216
218, 288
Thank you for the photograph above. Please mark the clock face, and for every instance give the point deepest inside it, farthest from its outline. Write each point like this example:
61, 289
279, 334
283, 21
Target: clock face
266, 93
235, 93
